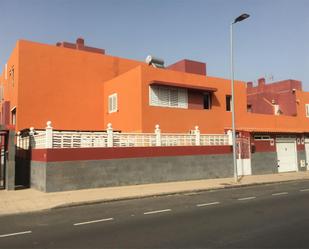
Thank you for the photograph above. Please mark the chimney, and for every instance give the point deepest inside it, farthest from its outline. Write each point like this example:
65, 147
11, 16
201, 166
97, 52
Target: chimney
80, 43
249, 84
261, 82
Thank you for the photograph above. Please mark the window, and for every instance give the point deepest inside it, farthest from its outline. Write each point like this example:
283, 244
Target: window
277, 110
168, 97
6, 71
112, 103
228, 102
13, 116
249, 108
262, 137
307, 110
12, 75
1, 92
207, 101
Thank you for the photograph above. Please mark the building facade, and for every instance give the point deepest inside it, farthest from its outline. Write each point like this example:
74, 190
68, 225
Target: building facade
80, 88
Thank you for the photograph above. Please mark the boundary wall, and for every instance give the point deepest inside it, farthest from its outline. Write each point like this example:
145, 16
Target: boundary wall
71, 169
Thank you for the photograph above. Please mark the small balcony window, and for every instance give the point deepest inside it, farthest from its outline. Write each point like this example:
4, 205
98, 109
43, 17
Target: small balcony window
207, 101
228, 103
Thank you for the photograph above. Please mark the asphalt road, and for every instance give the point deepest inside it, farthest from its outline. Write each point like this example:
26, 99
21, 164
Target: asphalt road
267, 216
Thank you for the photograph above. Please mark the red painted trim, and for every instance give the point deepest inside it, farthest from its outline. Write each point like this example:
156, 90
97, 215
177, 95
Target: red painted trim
263, 146
181, 85
82, 154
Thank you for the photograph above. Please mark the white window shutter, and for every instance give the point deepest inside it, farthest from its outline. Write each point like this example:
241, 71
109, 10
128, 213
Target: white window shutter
115, 102
168, 97
173, 97
164, 96
182, 98
154, 95
112, 103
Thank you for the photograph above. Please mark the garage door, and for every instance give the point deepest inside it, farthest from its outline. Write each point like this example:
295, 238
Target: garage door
286, 154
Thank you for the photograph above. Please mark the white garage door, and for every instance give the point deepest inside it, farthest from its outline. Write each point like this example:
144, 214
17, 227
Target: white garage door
286, 153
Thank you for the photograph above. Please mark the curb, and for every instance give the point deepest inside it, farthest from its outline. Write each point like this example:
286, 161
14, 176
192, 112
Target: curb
85, 203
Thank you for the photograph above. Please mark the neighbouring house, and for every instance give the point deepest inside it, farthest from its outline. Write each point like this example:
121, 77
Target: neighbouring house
82, 89
277, 98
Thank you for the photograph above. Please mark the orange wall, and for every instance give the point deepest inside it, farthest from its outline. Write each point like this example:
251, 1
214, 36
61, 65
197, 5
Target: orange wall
64, 86
184, 120
71, 89
129, 114
10, 90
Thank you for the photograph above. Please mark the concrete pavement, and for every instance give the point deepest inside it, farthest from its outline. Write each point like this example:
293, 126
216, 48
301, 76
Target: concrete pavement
29, 200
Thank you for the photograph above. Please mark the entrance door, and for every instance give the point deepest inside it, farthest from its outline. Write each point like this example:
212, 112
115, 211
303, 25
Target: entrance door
307, 152
243, 157
3, 148
286, 154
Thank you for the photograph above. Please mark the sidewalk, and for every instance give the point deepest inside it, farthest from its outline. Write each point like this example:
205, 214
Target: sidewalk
29, 200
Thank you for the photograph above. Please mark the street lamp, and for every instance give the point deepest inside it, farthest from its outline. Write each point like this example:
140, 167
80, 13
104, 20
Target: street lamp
238, 19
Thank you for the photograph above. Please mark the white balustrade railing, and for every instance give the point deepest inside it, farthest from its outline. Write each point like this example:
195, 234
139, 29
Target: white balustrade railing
79, 139
50, 138
172, 139
214, 139
134, 140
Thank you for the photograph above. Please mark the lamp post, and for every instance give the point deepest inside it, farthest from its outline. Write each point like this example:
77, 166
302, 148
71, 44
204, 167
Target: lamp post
238, 19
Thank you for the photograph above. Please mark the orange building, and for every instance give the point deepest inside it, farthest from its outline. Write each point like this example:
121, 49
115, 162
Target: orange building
81, 88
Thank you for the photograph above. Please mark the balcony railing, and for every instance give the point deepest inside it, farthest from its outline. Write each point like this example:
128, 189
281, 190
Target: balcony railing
49, 138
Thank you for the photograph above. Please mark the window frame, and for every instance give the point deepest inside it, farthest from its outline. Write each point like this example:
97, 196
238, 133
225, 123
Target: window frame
262, 137
209, 94
307, 110
175, 97
230, 103
113, 103
13, 116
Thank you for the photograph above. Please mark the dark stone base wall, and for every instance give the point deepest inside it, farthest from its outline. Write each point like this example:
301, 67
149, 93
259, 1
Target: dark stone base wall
301, 155
264, 163
73, 175
38, 175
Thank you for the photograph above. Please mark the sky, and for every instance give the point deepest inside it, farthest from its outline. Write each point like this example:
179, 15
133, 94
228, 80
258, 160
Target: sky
272, 43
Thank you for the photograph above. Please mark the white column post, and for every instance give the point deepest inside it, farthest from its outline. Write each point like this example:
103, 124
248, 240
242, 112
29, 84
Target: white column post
197, 133
18, 140
230, 134
31, 138
109, 131
48, 135
158, 135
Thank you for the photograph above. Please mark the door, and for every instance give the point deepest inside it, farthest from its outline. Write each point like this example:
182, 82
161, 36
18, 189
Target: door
286, 154
243, 157
3, 149
307, 152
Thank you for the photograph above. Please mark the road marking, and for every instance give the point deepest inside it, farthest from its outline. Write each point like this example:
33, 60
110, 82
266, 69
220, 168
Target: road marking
282, 193
246, 198
304, 190
92, 221
14, 234
208, 204
158, 211
191, 193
